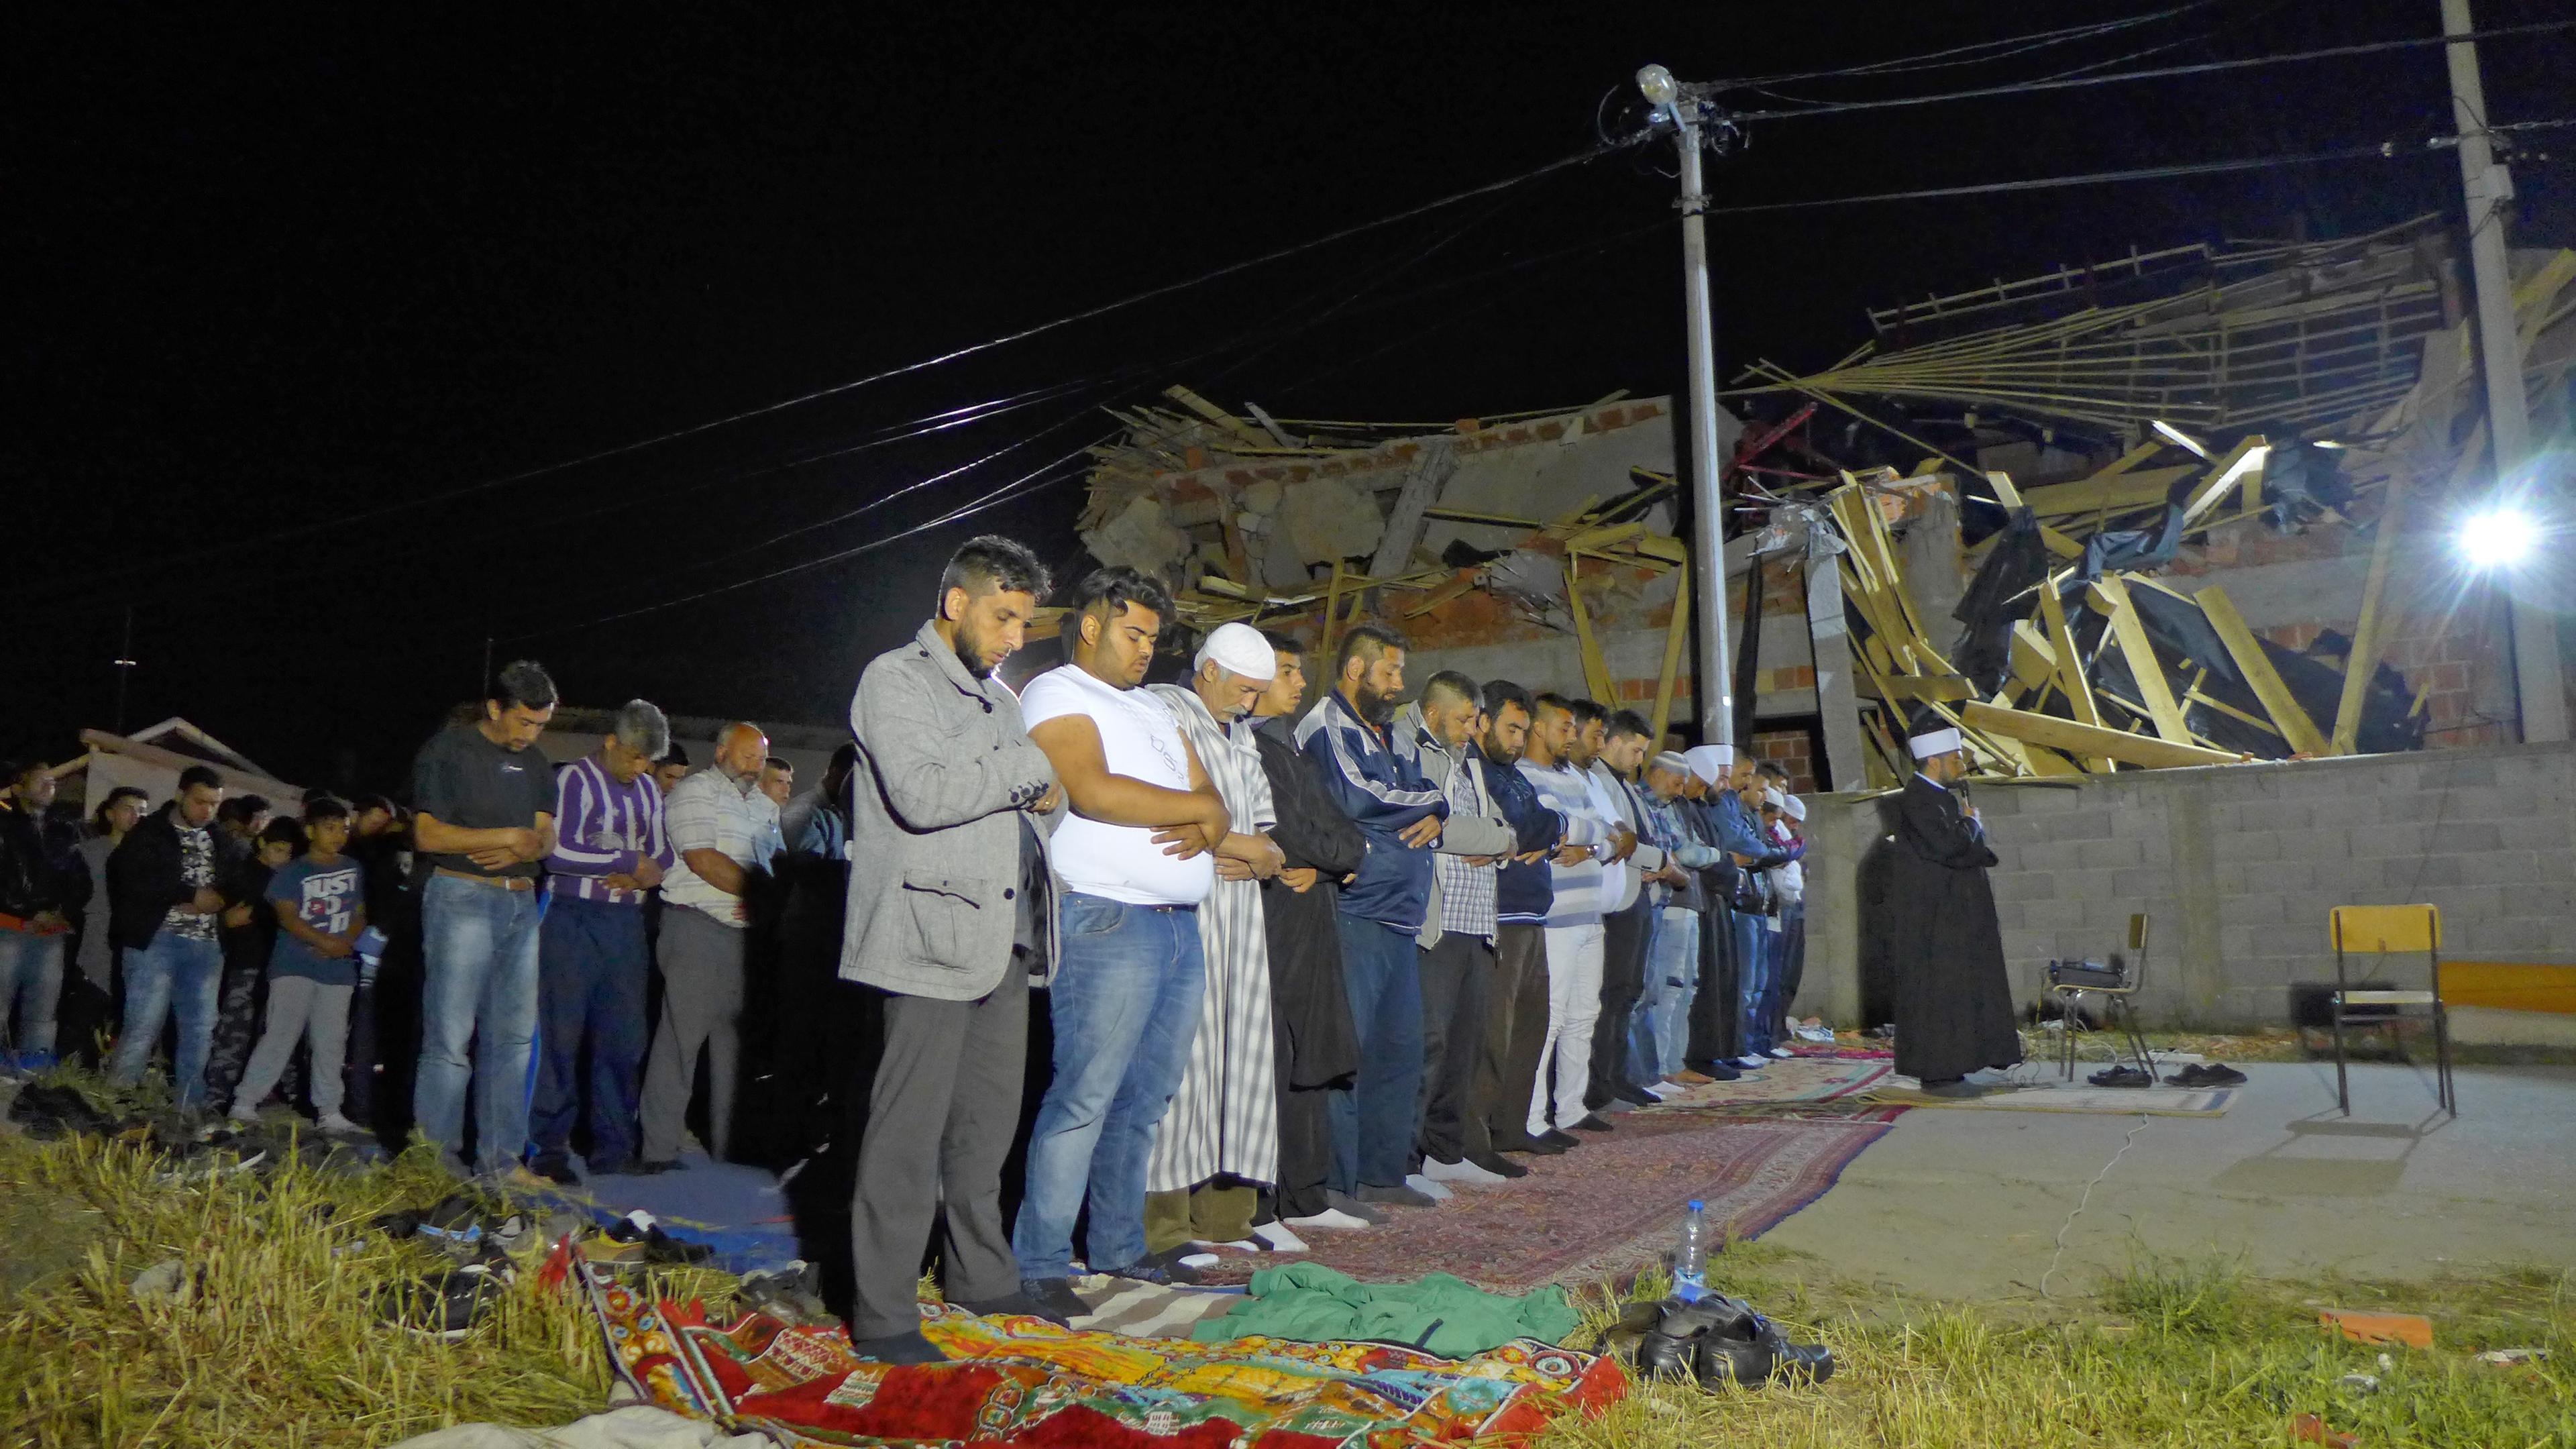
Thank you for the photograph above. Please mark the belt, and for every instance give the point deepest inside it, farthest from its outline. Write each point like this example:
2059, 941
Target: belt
505, 882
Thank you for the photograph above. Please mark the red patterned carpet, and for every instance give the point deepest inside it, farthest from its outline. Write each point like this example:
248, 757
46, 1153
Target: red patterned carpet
1607, 1208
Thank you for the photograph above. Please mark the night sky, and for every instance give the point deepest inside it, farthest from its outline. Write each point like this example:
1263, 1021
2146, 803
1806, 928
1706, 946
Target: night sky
279, 287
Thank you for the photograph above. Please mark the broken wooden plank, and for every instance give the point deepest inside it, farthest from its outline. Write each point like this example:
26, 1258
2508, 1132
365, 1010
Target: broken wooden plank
2243, 463
1241, 430
1596, 672
1454, 589
1946, 688
1332, 614
1675, 634
2363, 661
2145, 488
2070, 667
2153, 687
2288, 719
2088, 740
1430, 472
1469, 515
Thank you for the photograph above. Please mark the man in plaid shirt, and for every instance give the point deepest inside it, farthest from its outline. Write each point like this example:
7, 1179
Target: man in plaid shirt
1457, 936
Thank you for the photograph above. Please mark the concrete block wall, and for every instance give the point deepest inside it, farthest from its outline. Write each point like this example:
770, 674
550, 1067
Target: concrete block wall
2238, 867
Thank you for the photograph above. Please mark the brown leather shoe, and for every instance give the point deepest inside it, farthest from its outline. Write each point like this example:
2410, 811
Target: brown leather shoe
1690, 1078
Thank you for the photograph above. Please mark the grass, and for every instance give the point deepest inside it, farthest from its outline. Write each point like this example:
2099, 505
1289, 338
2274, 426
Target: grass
280, 1343
2168, 1355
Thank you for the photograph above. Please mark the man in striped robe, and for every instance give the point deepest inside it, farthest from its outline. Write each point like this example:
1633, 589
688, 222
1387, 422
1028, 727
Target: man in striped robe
1220, 1141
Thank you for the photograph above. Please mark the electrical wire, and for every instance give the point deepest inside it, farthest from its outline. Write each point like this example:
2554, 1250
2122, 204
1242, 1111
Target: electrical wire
1996, 50
2207, 67
305, 530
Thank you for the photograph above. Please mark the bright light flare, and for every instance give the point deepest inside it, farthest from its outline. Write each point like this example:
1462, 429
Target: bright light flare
2498, 538
1658, 85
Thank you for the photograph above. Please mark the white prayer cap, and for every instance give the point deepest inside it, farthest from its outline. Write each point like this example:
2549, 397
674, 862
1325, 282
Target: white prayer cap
1771, 797
1795, 807
1242, 650
1934, 742
1709, 762
1669, 760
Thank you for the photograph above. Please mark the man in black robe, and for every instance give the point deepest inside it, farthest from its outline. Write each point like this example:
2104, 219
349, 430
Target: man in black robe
1316, 1045
1954, 1012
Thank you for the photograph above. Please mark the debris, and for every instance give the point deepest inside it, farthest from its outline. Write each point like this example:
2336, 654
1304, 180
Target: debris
2410, 1329
2360, 1383
2512, 1357
164, 1284
2309, 1429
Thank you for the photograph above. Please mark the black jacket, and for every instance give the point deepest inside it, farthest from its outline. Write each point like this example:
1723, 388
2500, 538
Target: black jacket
1308, 1000
40, 866
144, 882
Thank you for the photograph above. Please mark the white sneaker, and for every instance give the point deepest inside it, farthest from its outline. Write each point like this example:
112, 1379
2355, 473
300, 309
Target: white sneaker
1428, 1188
1279, 1239
1752, 1063
1200, 1260
338, 1126
1460, 1171
1668, 1090
1781, 1054
1328, 1218
246, 1116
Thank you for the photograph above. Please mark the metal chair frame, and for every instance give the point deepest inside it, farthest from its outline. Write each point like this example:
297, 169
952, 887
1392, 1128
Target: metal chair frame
2134, 972
2383, 931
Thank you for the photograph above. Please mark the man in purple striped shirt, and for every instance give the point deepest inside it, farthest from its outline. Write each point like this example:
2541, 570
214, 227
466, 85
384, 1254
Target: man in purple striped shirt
592, 959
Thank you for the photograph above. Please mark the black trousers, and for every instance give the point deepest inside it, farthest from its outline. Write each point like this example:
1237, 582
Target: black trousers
941, 1116
1623, 981
1712, 1016
1456, 975
1793, 966
1515, 1039
1305, 1136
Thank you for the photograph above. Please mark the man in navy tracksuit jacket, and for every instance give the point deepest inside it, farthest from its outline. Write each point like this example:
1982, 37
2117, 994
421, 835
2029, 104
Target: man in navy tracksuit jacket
1400, 811
1516, 1003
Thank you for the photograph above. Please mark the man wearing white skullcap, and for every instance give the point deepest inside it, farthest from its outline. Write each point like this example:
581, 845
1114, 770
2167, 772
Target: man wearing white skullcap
1954, 1010
1224, 1117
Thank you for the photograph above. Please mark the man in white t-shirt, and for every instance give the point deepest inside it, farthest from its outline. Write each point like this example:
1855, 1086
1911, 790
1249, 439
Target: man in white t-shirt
1134, 859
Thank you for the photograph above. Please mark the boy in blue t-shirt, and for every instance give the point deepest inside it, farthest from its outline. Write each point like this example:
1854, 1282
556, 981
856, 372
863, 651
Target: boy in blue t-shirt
319, 899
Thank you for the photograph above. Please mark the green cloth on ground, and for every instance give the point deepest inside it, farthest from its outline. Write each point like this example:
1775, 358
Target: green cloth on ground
1440, 1314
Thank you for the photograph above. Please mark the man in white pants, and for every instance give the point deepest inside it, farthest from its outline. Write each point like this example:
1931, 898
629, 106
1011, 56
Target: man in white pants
1575, 936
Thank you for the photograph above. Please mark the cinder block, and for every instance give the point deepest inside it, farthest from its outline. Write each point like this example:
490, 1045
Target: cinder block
2459, 772
2353, 809
2468, 837
2109, 854
2429, 872
2263, 910
2236, 846
2392, 838
2025, 885
2540, 832
2056, 915
2496, 939
2316, 843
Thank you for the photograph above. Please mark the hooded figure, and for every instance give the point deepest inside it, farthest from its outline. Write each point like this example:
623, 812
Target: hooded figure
1954, 1012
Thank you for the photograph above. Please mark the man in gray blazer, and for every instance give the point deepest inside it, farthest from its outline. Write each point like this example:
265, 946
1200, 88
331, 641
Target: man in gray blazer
949, 918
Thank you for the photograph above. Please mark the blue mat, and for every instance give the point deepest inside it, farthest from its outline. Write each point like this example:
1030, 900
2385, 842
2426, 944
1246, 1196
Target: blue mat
739, 1211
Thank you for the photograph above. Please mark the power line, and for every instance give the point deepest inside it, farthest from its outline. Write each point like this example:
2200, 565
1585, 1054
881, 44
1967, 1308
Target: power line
2159, 73
1985, 51
304, 530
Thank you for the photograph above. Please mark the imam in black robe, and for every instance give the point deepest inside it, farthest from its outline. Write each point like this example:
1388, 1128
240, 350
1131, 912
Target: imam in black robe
1954, 1011
1316, 1045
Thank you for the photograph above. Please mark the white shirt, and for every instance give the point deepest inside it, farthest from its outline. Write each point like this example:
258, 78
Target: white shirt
707, 811
1140, 740
1618, 882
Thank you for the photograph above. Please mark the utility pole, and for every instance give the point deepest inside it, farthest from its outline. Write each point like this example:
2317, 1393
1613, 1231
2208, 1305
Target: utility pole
1716, 692
124, 669
2539, 680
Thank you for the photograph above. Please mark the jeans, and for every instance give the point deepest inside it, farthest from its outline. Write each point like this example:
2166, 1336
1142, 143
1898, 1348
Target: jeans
1672, 981
31, 977
1374, 1119
175, 975
299, 1009
1754, 973
479, 945
592, 961
1573, 1005
1125, 1005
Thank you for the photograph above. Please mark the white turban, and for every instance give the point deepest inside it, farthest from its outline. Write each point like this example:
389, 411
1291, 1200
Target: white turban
1710, 762
1796, 808
1935, 742
1241, 650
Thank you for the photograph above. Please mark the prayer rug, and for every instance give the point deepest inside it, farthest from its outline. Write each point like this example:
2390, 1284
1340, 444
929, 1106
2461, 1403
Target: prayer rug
2049, 1097
1148, 1310
1789, 1083
1605, 1209
1026, 1379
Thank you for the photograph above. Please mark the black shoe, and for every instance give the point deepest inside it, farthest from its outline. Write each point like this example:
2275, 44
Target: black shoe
1593, 1122
791, 1295
1639, 1096
1056, 1298
1561, 1138
660, 1248
1716, 1071
556, 1168
2121, 1076
1534, 1146
1017, 1304
1374, 1217
447, 1306
1146, 1270
1497, 1164
1397, 1196
898, 1348
2207, 1074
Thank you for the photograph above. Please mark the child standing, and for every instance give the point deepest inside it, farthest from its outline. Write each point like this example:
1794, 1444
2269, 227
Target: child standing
313, 970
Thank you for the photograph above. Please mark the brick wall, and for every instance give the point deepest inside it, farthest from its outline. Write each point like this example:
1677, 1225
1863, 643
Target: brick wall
1794, 749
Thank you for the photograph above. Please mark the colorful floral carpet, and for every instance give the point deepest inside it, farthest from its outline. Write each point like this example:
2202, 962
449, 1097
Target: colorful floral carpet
1606, 1208
1796, 1082
1025, 1380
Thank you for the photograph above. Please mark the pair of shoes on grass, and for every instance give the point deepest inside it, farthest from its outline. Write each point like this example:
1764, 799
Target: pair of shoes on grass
1720, 1342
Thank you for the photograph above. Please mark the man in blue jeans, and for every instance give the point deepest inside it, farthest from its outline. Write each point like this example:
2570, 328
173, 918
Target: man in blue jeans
1401, 812
1134, 858
163, 880
485, 807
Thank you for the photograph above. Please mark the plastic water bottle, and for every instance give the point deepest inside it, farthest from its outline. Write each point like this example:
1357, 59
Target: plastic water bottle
1690, 1259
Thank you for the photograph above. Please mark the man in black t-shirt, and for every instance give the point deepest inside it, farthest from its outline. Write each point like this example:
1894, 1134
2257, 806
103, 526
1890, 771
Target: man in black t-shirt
486, 807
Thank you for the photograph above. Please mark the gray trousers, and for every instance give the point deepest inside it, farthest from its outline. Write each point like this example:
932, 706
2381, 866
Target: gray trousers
299, 1006
702, 986
941, 1116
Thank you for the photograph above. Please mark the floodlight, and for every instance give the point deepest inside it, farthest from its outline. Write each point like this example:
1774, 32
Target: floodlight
2497, 538
1658, 85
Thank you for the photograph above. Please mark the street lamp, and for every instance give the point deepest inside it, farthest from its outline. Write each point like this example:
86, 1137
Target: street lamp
2501, 537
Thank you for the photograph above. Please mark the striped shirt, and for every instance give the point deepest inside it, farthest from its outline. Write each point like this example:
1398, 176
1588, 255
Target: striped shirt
1466, 891
602, 829
1568, 792
708, 811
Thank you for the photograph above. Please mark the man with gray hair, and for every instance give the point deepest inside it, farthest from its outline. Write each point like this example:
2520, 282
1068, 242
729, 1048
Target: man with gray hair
592, 955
